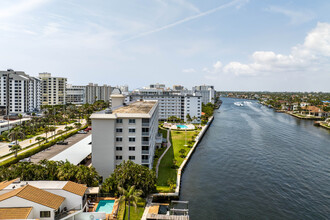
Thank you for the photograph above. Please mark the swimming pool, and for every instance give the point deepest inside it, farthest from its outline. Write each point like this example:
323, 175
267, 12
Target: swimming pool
105, 206
182, 126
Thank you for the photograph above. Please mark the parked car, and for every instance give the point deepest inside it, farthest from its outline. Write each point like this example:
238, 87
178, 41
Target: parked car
82, 132
13, 143
62, 143
88, 129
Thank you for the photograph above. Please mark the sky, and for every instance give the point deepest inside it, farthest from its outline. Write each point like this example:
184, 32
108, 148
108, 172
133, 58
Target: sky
238, 45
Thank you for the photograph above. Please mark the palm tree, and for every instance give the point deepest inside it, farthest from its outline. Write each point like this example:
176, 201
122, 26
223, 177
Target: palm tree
130, 195
15, 134
40, 139
46, 130
20, 116
15, 149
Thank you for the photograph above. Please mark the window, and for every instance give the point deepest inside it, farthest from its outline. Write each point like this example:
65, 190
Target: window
118, 120
44, 214
131, 121
119, 148
145, 129
131, 148
145, 147
119, 139
145, 157
131, 139
119, 130
119, 157
131, 157
131, 130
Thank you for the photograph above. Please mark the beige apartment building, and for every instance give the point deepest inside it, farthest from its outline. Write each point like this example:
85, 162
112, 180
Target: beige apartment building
53, 89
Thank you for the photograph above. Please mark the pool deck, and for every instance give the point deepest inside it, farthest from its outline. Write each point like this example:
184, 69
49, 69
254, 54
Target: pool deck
113, 214
174, 126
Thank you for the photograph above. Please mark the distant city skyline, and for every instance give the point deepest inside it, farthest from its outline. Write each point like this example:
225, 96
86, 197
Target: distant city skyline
237, 45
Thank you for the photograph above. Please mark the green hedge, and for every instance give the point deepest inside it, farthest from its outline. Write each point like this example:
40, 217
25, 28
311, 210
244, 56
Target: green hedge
37, 149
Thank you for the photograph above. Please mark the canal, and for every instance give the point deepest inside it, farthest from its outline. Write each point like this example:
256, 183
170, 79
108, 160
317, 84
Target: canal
254, 163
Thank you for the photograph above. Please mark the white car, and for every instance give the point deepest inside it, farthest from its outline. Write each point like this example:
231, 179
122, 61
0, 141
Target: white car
13, 143
82, 132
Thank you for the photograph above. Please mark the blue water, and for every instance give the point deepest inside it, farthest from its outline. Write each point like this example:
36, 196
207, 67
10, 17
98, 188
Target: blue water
105, 206
181, 126
254, 163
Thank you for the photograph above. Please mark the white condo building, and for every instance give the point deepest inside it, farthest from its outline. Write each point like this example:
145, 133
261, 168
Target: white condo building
127, 132
94, 92
24, 92
53, 89
172, 103
208, 93
75, 94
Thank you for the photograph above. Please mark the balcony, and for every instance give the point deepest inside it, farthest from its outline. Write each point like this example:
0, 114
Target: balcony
145, 142
145, 151
145, 161
145, 133
145, 124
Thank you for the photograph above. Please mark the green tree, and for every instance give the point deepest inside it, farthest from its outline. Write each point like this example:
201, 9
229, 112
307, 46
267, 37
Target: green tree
129, 195
15, 149
130, 174
16, 133
40, 139
20, 116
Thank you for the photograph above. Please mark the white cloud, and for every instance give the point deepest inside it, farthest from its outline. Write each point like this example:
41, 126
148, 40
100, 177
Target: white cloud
296, 17
189, 70
20, 7
312, 56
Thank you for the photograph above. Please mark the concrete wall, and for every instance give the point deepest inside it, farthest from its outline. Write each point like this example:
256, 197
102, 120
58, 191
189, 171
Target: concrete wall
103, 148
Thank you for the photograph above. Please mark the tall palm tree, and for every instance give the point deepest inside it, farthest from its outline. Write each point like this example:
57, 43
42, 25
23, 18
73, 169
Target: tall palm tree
15, 133
15, 149
20, 116
130, 195
40, 139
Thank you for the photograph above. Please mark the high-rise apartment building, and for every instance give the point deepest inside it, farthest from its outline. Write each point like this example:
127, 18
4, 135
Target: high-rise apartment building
75, 94
94, 92
208, 93
172, 103
53, 89
127, 132
19, 92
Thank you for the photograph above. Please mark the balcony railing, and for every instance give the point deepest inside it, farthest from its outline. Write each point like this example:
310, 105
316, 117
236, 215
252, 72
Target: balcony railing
145, 161
145, 151
145, 133
145, 142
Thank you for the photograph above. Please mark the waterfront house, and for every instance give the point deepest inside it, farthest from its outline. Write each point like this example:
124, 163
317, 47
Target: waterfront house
314, 111
47, 200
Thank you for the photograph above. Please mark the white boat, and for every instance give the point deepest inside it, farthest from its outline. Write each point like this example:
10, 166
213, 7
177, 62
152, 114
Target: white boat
238, 104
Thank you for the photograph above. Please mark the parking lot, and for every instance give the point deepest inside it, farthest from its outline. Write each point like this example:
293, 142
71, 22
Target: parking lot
56, 149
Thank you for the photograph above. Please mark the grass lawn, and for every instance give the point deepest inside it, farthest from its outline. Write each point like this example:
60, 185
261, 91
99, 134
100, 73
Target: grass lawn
166, 172
136, 213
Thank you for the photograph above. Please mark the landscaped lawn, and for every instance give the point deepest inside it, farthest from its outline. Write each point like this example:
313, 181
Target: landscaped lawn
136, 213
166, 170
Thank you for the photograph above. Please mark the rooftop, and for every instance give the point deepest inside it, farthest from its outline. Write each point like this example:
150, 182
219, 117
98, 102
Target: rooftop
139, 107
15, 213
69, 186
36, 195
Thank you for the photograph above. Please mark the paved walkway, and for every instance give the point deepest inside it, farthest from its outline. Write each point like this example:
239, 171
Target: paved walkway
26, 143
168, 147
